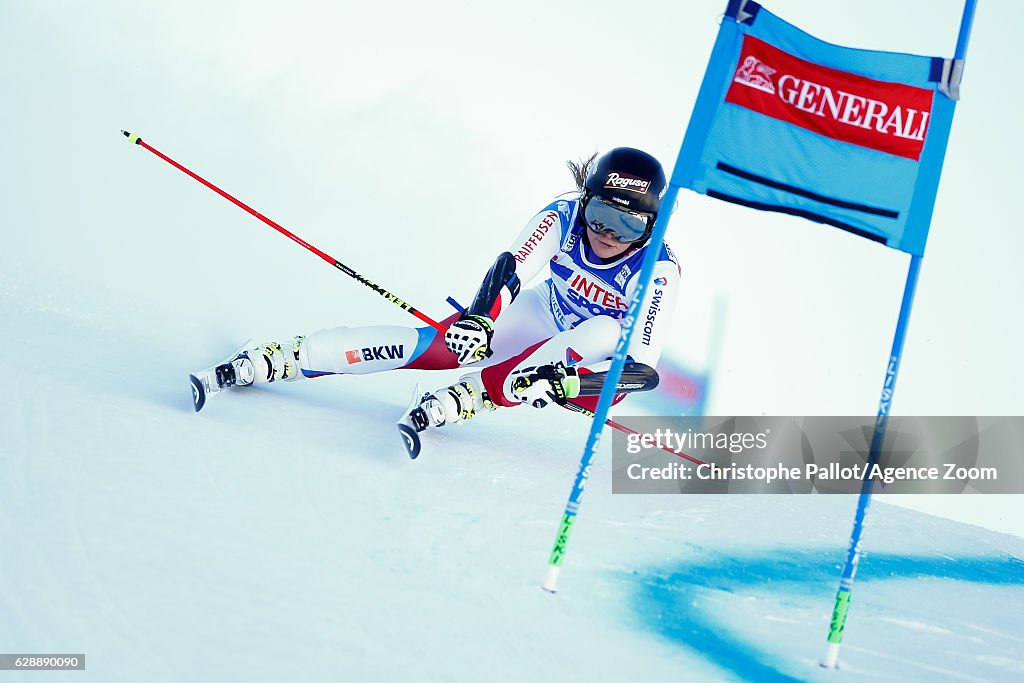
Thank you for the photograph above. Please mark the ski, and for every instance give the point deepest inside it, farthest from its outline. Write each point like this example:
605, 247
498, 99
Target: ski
635, 377
413, 421
211, 381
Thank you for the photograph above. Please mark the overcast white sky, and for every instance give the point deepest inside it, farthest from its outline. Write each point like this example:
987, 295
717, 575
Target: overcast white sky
443, 126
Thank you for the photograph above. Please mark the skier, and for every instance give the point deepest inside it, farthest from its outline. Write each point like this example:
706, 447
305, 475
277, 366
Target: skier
550, 343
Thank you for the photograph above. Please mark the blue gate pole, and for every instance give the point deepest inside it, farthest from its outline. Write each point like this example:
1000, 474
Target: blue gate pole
842, 603
604, 402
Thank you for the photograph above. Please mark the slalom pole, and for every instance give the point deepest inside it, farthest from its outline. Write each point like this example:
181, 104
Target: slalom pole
604, 403
843, 595
134, 138
842, 604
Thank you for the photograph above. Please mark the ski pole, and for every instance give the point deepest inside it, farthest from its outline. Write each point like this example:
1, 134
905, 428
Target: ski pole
626, 430
132, 137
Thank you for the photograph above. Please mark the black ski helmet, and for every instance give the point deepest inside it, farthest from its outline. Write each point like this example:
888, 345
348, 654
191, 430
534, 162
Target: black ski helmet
630, 179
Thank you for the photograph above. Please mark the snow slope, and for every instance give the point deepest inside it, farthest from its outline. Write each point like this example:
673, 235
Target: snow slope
282, 534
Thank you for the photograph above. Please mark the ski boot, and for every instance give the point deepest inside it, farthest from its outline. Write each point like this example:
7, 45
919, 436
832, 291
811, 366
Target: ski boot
450, 405
251, 364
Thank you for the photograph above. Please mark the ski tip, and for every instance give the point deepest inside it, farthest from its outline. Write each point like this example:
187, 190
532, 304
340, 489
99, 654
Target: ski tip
125, 133
198, 393
411, 439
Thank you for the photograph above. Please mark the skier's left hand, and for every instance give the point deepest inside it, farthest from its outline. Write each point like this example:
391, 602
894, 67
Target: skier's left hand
546, 384
469, 338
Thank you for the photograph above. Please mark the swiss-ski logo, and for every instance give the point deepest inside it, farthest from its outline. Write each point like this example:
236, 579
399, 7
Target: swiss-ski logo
623, 275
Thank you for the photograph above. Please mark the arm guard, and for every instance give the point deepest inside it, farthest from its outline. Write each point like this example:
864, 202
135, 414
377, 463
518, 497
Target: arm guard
500, 288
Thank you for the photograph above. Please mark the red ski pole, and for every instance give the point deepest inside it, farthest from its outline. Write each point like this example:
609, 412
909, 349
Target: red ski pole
132, 137
290, 235
626, 430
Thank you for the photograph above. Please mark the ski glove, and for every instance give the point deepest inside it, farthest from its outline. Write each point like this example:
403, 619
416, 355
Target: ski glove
541, 386
469, 338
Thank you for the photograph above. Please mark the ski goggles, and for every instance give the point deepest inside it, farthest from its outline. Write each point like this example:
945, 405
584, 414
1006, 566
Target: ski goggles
607, 218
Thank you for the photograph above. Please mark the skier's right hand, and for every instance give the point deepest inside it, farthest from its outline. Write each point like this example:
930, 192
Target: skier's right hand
541, 386
469, 338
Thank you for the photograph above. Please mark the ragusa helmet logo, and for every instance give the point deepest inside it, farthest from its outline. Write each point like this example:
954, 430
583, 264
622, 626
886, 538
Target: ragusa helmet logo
621, 181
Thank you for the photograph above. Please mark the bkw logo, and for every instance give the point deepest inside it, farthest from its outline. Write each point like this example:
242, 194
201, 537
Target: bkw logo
393, 352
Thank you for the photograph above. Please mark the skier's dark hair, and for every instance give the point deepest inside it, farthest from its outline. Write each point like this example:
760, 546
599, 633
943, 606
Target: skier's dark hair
581, 169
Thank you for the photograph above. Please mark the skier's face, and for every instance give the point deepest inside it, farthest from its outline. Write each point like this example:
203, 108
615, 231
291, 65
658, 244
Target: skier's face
611, 227
604, 244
